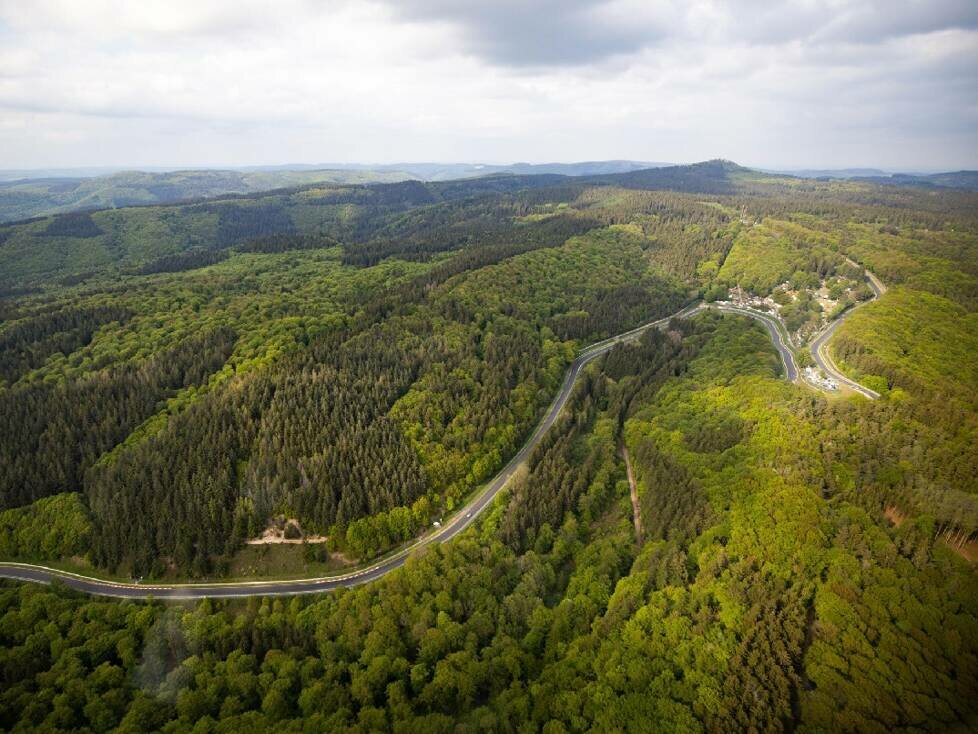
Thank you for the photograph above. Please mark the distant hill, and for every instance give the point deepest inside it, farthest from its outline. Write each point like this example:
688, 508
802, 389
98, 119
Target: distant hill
24, 198
830, 172
25, 194
709, 177
584, 168
71, 246
952, 179
428, 171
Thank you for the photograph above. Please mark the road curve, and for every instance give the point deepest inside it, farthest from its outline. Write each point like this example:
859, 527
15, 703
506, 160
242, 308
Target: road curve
774, 330
459, 522
819, 348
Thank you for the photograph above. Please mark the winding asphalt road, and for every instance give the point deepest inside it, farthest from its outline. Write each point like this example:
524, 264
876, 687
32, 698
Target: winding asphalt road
777, 337
459, 522
820, 352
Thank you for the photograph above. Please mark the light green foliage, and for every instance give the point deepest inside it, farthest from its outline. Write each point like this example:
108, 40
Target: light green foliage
84, 652
276, 302
441, 411
915, 341
773, 251
895, 637
779, 609
50, 529
369, 536
921, 351
766, 590
943, 261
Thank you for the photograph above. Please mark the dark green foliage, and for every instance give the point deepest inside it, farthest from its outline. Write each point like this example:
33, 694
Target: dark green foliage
76, 224
673, 505
190, 260
345, 458
628, 304
14, 292
313, 436
716, 434
49, 529
76, 278
26, 344
402, 193
762, 691
241, 223
497, 184
459, 226
655, 357
709, 177
385, 197
50, 433
189, 468
560, 471
285, 243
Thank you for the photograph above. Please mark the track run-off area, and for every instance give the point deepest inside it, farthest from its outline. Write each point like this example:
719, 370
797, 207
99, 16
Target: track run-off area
469, 512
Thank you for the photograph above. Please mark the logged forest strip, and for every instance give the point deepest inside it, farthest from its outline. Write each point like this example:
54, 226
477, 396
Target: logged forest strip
458, 523
633, 492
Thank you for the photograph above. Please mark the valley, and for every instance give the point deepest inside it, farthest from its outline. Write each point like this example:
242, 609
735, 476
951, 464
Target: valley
363, 373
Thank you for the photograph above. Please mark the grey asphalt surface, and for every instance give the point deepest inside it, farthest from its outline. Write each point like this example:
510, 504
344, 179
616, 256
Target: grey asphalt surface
452, 527
821, 355
774, 329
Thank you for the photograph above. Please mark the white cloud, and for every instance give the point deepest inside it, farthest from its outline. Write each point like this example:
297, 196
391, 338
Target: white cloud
811, 83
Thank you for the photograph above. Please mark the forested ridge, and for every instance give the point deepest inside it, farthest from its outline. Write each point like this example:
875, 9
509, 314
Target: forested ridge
361, 359
33, 197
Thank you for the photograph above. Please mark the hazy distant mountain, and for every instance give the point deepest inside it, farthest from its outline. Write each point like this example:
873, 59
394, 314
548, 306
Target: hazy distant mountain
830, 172
584, 168
25, 194
707, 177
23, 174
32, 197
35, 194
951, 179
428, 171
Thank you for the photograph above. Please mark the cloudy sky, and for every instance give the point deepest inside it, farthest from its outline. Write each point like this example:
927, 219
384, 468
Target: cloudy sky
811, 83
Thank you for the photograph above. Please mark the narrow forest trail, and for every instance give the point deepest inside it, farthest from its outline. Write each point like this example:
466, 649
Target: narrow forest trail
633, 491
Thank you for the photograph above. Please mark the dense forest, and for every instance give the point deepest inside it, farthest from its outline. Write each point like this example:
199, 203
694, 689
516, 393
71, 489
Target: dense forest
361, 359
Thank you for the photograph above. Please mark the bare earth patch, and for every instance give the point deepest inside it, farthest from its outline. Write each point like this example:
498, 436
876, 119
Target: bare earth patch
967, 550
633, 491
895, 517
276, 534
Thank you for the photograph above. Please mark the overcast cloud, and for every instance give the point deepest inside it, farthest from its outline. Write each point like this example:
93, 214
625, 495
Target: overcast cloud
811, 83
